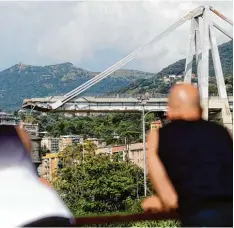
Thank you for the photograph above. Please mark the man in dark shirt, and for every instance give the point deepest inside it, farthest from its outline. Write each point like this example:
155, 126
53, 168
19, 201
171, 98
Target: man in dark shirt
190, 164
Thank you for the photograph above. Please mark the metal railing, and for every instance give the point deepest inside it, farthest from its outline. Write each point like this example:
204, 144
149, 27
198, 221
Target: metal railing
107, 219
152, 95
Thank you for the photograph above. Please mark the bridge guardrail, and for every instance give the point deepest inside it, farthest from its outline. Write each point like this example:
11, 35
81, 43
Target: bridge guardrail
150, 95
154, 95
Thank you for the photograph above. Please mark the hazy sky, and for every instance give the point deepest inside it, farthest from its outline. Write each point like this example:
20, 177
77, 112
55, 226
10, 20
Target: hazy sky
94, 35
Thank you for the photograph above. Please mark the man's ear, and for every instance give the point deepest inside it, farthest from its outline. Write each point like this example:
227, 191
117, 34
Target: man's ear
25, 138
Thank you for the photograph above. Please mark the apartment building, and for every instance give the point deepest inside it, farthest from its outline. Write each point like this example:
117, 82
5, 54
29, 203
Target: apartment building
172, 76
49, 166
136, 154
32, 129
8, 119
35, 152
68, 140
104, 150
51, 144
98, 142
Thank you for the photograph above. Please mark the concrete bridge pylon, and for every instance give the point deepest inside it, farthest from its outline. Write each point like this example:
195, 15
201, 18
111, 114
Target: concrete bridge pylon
202, 38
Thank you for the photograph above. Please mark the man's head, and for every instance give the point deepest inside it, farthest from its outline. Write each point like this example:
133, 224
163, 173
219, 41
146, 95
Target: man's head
184, 103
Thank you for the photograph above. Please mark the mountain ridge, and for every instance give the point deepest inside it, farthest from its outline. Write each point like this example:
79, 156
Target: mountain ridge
26, 81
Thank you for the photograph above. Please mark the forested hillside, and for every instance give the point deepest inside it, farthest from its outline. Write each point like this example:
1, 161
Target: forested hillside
24, 81
156, 84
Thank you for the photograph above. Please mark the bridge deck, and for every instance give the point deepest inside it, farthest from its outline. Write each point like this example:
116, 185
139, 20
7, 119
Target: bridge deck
107, 104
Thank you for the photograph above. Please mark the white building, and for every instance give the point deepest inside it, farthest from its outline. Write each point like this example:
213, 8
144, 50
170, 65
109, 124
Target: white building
172, 76
8, 119
32, 129
51, 144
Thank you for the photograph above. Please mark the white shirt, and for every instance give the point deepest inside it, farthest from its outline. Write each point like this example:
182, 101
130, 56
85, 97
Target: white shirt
24, 199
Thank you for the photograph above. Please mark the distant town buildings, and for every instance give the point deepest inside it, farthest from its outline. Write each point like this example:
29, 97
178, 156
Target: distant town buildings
172, 76
32, 129
49, 166
97, 142
36, 149
68, 140
55, 145
8, 119
51, 144
134, 153
166, 79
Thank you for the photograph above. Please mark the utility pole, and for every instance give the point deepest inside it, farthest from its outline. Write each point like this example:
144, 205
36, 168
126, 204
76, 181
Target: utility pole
144, 148
142, 100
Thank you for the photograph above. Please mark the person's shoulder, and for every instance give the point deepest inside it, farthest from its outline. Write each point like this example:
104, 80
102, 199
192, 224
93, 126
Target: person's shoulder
171, 124
215, 127
212, 124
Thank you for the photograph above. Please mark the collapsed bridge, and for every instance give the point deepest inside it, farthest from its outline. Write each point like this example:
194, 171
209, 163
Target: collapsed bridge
201, 38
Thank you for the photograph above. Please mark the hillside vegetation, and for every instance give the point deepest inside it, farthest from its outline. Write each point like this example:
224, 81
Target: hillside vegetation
156, 84
24, 81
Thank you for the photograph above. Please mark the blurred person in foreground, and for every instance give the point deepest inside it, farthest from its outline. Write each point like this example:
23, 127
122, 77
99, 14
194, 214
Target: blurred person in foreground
24, 200
28, 145
190, 164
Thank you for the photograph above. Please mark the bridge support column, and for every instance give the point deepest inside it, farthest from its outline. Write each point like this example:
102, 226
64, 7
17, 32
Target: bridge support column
189, 59
198, 49
205, 107
227, 115
202, 61
204, 80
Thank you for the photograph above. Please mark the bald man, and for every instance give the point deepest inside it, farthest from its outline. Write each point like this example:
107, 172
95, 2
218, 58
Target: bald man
190, 163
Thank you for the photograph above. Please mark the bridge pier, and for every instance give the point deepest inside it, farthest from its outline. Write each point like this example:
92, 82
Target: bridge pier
205, 107
208, 38
221, 109
227, 115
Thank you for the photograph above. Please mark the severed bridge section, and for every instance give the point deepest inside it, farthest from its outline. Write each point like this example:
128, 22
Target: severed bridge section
201, 40
113, 104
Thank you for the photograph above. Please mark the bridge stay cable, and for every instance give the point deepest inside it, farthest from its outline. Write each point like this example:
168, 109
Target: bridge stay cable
222, 30
67, 97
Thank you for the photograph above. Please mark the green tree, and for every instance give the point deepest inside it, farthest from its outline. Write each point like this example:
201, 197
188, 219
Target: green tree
73, 154
213, 89
30, 119
100, 185
44, 151
105, 186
